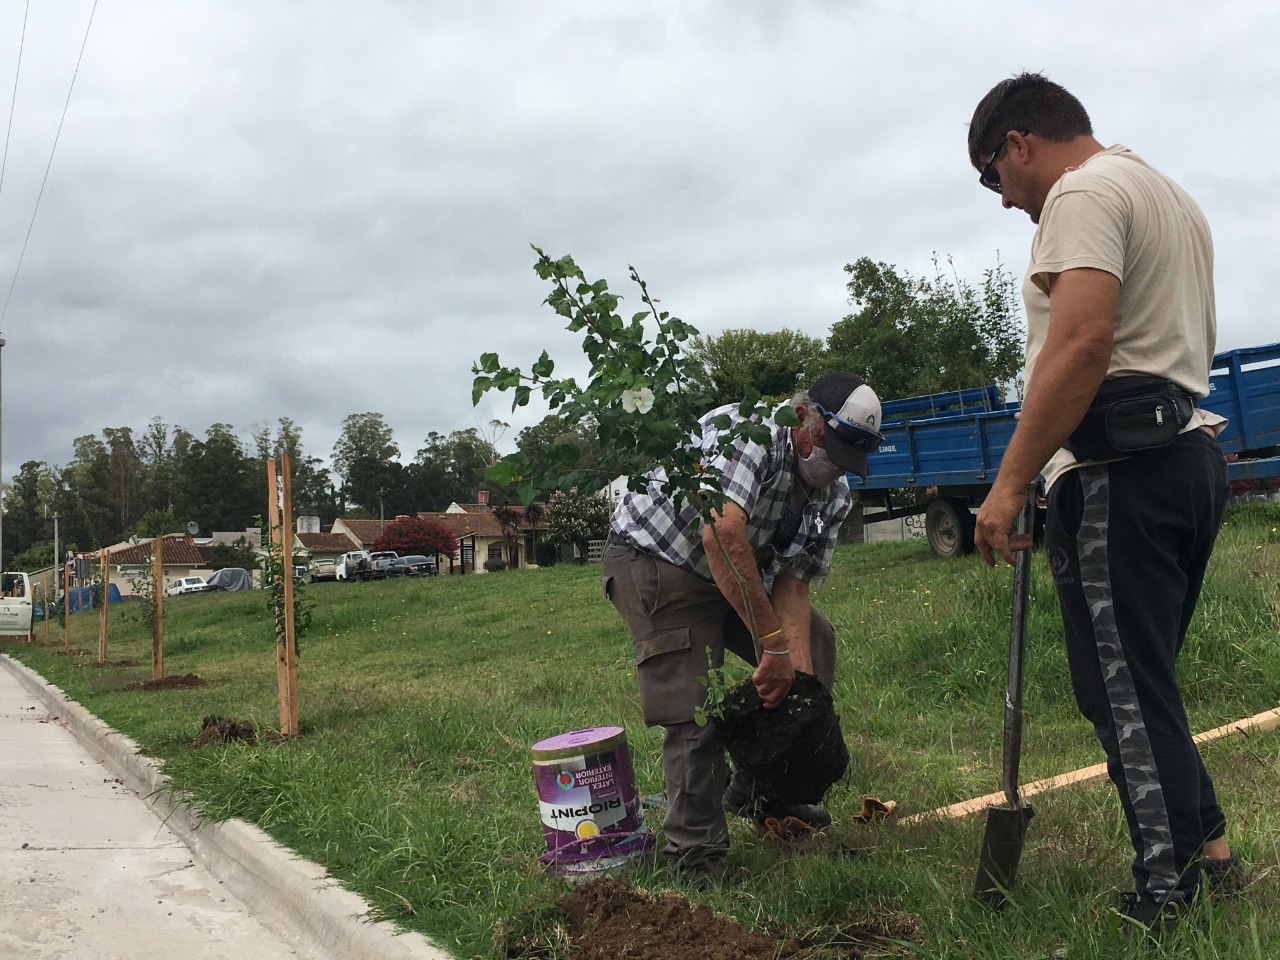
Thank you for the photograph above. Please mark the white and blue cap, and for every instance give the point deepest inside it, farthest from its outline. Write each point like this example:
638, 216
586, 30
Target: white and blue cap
851, 411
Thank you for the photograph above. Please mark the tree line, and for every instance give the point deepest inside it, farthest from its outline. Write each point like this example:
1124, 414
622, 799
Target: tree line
906, 336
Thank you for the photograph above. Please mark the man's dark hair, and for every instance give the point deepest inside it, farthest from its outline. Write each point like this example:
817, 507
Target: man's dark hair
1029, 101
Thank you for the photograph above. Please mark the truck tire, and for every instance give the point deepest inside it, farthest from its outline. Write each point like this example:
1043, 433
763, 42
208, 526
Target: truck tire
948, 526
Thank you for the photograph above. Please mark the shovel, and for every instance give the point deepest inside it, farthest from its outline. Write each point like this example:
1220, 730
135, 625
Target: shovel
1007, 822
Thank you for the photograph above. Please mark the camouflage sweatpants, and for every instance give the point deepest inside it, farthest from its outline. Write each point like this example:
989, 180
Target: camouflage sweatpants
1128, 543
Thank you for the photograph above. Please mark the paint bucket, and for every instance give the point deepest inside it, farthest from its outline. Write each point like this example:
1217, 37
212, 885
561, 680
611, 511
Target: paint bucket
591, 819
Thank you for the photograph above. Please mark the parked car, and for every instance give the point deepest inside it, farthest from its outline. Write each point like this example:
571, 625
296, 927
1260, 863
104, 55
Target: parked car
299, 572
230, 578
355, 565
415, 565
381, 560
183, 585
322, 568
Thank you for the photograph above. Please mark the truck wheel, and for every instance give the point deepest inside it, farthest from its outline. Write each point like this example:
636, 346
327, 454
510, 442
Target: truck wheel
948, 526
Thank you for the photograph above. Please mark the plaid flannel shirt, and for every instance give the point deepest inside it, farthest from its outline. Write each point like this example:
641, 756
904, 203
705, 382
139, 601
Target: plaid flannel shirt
760, 480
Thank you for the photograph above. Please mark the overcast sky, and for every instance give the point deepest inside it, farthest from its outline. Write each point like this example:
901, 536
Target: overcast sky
264, 209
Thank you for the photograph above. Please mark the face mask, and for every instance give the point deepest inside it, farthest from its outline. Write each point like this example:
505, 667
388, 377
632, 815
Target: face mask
817, 470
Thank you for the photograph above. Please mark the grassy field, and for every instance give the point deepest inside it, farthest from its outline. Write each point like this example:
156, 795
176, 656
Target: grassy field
420, 699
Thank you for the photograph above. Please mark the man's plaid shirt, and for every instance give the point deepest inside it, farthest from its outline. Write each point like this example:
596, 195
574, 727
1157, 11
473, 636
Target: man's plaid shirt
760, 480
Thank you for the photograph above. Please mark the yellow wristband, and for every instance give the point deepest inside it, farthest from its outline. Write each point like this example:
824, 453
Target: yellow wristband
767, 636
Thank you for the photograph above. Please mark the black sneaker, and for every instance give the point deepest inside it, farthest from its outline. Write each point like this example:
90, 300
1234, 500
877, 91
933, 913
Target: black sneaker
1224, 878
744, 802
1139, 913
741, 799
813, 816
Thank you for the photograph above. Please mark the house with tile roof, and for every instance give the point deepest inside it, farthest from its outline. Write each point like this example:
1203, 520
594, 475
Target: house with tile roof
323, 546
475, 528
180, 557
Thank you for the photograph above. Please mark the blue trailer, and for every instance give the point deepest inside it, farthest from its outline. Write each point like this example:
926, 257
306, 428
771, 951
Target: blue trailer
950, 445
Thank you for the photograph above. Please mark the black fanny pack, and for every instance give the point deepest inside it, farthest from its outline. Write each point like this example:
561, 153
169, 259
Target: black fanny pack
1129, 415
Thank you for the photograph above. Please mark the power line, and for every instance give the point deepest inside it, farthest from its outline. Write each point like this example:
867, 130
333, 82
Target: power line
49, 165
22, 42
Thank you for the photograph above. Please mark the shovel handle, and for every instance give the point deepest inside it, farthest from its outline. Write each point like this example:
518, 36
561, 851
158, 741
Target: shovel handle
1017, 633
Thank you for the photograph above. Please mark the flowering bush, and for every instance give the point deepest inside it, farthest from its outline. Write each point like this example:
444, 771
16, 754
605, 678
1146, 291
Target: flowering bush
578, 518
415, 535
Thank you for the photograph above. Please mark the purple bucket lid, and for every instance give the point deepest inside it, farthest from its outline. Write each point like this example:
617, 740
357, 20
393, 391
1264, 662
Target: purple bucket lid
579, 741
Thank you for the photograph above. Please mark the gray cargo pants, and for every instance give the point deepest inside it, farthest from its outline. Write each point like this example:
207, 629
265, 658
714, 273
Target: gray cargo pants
680, 624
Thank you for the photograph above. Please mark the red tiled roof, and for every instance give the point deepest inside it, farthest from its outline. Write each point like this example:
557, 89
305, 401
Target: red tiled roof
178, 548
366, 531
483, 524
326, 542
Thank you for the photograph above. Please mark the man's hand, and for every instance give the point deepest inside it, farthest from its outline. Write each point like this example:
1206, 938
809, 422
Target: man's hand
773, 679
996, 522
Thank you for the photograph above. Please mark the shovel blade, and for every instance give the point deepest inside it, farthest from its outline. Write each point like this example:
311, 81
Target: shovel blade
1001, 850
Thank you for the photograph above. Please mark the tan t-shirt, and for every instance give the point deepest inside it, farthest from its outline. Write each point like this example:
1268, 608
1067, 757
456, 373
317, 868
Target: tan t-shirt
1116, 213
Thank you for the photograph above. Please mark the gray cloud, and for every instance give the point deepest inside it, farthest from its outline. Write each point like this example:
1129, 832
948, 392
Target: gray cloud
271, 209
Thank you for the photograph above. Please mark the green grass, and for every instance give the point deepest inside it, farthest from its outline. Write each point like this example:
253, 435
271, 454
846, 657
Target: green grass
419, 700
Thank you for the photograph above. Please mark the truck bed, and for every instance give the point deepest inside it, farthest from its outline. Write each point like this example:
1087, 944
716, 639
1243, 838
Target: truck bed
958, 439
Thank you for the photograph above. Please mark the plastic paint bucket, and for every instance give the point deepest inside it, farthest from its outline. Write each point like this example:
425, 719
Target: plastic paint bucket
591, 818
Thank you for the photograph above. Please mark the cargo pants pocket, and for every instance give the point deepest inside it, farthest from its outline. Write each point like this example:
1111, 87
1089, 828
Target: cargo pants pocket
668, 677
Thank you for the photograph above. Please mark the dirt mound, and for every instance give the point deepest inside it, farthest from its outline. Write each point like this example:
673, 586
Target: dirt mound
181, 682
225, 730
607, 920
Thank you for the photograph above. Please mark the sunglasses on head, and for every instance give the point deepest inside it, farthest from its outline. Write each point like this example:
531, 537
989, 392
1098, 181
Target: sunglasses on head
988, 176
854, 434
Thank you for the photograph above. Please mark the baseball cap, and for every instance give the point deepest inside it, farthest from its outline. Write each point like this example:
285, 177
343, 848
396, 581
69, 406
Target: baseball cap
851, 411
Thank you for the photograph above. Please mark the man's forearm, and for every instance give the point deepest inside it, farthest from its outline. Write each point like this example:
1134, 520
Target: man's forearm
733, 567
790, 601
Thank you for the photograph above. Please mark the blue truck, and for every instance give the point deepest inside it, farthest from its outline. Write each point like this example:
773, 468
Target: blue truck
949, 446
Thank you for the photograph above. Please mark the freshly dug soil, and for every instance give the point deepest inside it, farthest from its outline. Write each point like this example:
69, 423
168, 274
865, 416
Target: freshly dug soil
225, 730
166, 683
607, 920
793, 753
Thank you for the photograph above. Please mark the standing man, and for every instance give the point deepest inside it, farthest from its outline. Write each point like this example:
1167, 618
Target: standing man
673, 586
1120, 286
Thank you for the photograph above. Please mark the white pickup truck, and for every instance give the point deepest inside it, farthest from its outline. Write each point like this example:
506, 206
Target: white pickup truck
15, 605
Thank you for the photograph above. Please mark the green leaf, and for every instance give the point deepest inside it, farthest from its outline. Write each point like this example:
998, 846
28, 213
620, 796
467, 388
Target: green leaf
544, 366
479, 386
785, 416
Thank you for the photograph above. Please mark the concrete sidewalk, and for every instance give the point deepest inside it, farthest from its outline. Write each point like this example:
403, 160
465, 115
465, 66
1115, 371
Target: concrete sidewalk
96, 864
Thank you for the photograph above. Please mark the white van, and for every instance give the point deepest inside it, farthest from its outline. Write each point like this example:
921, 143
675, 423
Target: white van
355, 565
15, 605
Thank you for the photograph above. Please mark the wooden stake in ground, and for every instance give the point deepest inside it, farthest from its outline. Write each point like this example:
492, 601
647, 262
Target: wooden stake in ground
286, 668
104, 566
157, 598
66, 607
286, 569
44, 606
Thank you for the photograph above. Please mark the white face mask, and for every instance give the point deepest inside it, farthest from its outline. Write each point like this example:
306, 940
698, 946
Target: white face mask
817, 470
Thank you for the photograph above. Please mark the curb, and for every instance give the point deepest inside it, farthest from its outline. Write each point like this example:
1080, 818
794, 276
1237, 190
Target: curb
295, 897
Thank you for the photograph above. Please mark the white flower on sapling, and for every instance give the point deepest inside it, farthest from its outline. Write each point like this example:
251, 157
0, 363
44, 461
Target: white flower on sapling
637, 401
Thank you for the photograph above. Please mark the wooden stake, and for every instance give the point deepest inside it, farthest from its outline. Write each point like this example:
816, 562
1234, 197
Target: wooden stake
66, 607
157, 598
273, 529
290, 637
44, 591
1259, 723
105, 569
